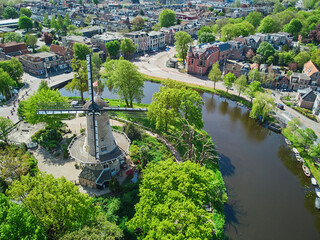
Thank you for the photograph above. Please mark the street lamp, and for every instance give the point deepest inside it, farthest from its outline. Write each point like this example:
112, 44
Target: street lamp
47, 66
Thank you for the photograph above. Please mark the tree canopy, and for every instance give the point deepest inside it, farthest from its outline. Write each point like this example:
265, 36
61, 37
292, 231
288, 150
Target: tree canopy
31, 41
175, 101
26, 12
268, 25
6, 83
10, 12
172, 196
16, 222
5, 125
215, 74
262, 106
206, 37
182, 42
253, 88
80, 51
266, 49
56, 203
125, 79
293, 27
137, 23
127, 46
228, 80
12, 37
113, 47
254, 18
43, 99
167, 18
25, 22
241, 84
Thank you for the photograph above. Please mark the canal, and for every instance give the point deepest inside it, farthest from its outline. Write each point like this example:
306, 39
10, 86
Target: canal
269, 196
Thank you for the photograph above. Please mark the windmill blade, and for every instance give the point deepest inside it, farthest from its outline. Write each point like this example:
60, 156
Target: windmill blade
124, 109
58, 111
94, 121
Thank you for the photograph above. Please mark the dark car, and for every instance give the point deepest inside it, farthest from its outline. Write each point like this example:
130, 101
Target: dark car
67, 71
280, 106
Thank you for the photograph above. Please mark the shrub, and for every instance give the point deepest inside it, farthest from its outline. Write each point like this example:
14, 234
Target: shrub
114, 185
132, 131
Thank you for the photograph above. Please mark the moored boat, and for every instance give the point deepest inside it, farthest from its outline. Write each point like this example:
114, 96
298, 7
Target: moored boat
317, 203
306, 170
318, 192
287, 141
314, 181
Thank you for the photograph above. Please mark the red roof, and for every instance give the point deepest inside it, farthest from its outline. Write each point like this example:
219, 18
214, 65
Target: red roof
309, 68
58, 49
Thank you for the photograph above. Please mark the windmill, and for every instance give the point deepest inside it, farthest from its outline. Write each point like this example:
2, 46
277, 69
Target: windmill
99, 150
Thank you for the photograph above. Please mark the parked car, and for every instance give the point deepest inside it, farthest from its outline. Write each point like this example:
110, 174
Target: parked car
67, 71
280, 106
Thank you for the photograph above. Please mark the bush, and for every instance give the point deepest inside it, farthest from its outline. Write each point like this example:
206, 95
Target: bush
132, 131
114, 185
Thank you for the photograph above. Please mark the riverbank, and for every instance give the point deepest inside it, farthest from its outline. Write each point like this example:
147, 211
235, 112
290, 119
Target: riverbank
201, 88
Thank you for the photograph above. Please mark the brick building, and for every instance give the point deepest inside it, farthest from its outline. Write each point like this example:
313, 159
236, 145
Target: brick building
201, 58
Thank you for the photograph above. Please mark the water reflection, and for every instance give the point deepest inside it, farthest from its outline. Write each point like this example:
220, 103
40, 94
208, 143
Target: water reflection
235, 113
210, 104
223, 107
227, 169
254, 132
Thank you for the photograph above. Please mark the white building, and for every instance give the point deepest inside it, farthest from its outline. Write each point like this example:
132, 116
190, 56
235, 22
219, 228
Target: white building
147, 41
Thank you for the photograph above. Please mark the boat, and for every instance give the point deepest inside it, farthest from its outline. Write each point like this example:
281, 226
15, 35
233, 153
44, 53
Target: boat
306, 170
317, 203
287, 141
314, 181
318, 192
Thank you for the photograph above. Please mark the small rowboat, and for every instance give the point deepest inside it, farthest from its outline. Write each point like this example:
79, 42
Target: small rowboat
306, 170
318, 192
287, 141
317, 203
314, 181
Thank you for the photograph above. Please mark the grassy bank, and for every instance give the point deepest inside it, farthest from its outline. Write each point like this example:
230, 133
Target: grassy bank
200, 88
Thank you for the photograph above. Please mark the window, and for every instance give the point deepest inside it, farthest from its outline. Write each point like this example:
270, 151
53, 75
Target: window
103, 149
102, 139
192, 61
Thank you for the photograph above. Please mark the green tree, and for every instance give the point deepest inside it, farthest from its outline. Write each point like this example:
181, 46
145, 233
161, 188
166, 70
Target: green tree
80, 78
98, 229
190, 107
278, 7
127, 46
5, 125
114, 185
284, 58
96, 65
294, 27
269, 25
241, 84
16, 222
253, 88
204, 29
262, 106
167, 18
293, 125
25, 12
215, 74
206, 37
46, 20
66, 21
31, 41
228, 80
137, 23
12, 37
314, 150
81, 51
6, 83
113, 48
164, 107
255, 75
254, 18
305, 137
315, 57
43, 48
55, 202
10, 12
25, 23
96, 2
175, 203
44, 99
302, 58
13, 67
125, 79
54, 23
182, 42
266, 50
